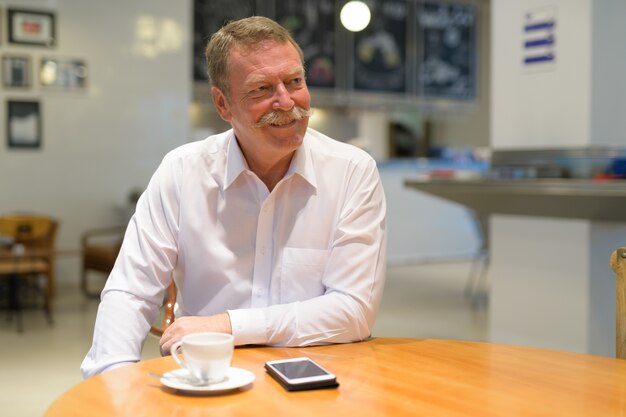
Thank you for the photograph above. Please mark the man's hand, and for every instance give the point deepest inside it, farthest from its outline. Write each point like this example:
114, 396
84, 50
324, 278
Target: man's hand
193, 324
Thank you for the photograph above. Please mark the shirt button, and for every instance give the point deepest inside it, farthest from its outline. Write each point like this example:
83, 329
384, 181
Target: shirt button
259, 293
262, 251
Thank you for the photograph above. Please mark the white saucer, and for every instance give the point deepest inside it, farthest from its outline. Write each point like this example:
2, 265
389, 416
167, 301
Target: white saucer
235, 378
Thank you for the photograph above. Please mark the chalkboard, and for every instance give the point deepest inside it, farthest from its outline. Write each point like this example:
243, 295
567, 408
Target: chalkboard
380, 49
312, 24
209, 17
447, 68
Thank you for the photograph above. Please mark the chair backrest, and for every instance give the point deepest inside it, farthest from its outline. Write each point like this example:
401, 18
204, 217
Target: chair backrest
38, 235
618, 263
167, 313
33, 231
24, 226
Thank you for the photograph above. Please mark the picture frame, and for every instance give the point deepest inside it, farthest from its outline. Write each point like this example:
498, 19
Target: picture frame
208, 18
63, 73
16, 71
23, 124
31, 27
316, 37
447, 52
380, 52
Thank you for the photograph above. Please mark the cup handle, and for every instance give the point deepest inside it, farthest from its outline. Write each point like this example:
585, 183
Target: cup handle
174, 352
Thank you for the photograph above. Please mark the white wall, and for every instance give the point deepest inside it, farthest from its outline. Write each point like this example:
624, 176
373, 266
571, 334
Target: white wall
560, 292
576, 102
101, 143
608, 99
544, 106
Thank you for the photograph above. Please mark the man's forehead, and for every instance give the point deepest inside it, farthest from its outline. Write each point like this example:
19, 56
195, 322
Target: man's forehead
290, 72
249, 48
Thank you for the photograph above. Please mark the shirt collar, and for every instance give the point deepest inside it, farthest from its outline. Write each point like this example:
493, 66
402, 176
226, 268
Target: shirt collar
235, 162
301, 164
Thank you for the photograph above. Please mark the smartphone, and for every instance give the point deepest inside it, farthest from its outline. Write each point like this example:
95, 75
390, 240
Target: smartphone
298, 374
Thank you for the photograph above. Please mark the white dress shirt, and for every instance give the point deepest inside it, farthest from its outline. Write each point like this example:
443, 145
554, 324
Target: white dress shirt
303, 264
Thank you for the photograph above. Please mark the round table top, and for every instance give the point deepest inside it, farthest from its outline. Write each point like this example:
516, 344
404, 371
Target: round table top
378, 377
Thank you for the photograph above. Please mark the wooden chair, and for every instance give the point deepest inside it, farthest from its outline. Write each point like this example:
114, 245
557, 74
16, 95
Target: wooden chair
32, 257
100, 248
618, 263
167, 313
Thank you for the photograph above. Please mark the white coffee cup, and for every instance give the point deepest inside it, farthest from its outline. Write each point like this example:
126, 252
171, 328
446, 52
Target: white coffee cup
207, 355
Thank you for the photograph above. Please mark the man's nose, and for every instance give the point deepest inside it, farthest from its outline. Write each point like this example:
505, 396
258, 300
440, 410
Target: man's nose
283, 99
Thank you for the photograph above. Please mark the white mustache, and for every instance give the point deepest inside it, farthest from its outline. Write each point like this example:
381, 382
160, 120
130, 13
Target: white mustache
280, 118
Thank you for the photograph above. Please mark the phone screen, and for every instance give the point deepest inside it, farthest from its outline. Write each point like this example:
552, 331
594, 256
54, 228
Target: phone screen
299, 369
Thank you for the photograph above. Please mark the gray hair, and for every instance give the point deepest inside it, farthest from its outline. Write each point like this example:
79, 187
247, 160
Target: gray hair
244, 33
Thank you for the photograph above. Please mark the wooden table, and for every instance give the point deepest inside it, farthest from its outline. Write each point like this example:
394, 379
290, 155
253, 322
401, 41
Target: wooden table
379, 377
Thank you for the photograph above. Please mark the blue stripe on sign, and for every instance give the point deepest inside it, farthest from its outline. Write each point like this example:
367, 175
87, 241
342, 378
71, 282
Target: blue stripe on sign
538, 26
539, 42
538, 58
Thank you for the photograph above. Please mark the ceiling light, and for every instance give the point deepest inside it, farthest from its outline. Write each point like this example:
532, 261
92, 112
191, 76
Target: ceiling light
355, 16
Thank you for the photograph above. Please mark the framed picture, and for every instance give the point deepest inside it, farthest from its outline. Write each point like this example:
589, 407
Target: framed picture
447, 53
208, 18
63, 73
23, 124
312, 24
31, 27
16, 71
380, 49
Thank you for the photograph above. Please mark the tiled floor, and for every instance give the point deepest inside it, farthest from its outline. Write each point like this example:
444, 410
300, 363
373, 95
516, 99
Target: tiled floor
41, 363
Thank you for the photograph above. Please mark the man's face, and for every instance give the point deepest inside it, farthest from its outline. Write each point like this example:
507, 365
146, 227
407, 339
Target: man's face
268, 78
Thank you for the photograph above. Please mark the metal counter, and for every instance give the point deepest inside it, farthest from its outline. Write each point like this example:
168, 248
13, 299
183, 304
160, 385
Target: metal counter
566, 198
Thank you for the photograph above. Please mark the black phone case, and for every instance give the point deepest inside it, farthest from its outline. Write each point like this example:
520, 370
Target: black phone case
332, 383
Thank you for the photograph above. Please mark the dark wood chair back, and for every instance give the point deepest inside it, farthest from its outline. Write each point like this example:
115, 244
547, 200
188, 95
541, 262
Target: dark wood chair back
618, 263
99, 248
167, 311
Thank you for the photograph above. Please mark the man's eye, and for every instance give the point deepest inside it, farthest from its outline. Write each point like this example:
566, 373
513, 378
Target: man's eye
260, 90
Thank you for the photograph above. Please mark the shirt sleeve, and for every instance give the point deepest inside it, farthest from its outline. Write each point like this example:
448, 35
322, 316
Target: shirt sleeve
353, 279
134, 290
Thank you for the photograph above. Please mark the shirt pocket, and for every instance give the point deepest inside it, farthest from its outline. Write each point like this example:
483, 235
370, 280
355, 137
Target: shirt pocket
302, 271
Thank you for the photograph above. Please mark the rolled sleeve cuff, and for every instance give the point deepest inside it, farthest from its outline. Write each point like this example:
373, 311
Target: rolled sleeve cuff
90, 368
249, 326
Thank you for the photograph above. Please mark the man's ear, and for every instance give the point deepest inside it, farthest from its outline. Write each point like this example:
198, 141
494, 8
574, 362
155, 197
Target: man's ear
221, 104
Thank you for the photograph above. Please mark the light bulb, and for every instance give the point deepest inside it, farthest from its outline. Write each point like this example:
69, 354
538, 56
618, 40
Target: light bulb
355, 16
